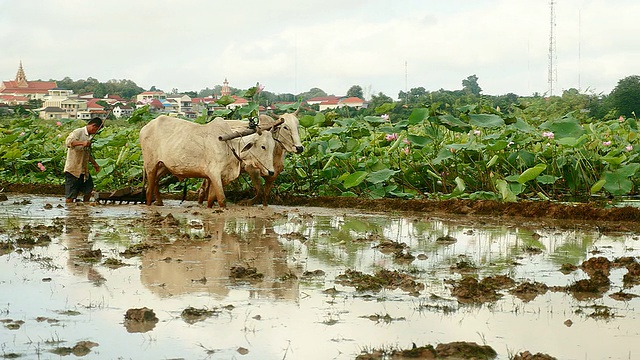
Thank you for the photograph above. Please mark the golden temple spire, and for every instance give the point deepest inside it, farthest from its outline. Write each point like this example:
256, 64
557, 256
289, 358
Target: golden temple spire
21, 79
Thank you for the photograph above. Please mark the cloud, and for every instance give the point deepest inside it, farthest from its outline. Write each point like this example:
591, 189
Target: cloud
293, 46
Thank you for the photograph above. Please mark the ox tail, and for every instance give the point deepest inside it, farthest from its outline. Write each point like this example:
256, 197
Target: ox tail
144, 185
184, 191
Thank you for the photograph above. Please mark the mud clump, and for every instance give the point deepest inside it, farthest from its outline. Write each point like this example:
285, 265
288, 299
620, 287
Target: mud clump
453, 350
596, 264
382, 279
136, 249
529, 290
568, 268
632, 277
622, 296
81, 348
390, 247
465, 350
140, 320
597, 284
445, 240
239, 272
192, 315
526, 355
471, 291
91, 255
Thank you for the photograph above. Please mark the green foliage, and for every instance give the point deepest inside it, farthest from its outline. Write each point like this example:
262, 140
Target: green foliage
355, 91
470, 151
625, 97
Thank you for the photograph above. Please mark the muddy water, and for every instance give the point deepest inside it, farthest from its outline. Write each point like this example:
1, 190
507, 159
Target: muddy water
61, 292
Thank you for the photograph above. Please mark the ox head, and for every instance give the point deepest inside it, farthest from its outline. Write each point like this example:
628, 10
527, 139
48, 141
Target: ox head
287, 134
257, 151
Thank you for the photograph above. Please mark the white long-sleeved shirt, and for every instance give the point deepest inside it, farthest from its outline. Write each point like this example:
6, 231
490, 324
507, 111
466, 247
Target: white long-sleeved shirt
77, 156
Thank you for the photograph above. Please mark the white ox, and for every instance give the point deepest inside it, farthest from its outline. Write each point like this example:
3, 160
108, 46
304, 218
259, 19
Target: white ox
287, 139
189, 150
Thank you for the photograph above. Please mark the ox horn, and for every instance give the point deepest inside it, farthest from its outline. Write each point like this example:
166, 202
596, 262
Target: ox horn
259, 129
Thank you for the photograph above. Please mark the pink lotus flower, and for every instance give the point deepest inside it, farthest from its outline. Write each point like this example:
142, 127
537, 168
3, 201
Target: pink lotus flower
548, 134
385, 117
629, 147
406, 141
621, 118
606, 143
406, 150
391, 137
41, 167
22, 133
476, 132
59, 123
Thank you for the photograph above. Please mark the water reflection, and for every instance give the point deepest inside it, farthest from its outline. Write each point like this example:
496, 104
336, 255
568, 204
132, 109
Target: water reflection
83, 258
192, 253
200, 259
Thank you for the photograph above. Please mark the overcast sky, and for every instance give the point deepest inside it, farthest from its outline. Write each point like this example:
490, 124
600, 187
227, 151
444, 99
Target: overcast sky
291, 46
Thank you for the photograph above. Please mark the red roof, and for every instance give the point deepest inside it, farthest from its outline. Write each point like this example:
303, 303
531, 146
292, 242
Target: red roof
323, 98
330, 101
239, 100
156, 104
33, 87
14, 98
205, 100
93, 103
352, 100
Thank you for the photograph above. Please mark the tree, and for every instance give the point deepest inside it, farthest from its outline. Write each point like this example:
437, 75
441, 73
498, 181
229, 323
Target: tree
313, 92
470, 85
414, 96
625, 97
379, 100
355, 91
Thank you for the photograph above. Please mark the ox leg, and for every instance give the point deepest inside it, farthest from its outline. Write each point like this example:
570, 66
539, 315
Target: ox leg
161, 170
151, 184
216, 192
268, 185
203, 191
256, 180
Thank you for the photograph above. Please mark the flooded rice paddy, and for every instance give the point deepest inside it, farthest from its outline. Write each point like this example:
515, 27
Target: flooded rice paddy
122, 281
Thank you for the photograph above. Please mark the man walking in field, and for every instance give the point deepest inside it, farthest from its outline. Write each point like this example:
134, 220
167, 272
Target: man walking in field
76, 167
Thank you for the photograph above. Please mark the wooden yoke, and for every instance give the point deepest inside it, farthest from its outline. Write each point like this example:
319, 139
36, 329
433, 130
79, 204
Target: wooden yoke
246, 132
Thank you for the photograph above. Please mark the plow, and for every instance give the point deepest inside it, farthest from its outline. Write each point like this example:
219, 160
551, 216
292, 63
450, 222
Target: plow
127, 195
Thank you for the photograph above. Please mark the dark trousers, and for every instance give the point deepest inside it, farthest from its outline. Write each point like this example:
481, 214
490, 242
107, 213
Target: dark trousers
73, 185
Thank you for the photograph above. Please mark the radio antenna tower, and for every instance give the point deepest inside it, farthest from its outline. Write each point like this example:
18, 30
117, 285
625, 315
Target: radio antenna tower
553, 71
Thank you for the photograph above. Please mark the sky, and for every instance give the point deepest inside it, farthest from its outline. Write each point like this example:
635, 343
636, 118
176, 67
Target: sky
292, 46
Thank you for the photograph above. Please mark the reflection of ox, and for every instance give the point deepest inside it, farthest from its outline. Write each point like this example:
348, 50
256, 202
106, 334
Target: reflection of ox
189, 150
187, 266
287, 139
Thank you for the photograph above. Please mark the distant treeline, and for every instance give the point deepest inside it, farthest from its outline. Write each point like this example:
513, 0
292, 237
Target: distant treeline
623, 100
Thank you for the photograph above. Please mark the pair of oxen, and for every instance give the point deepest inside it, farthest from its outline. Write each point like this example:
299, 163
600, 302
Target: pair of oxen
217, 152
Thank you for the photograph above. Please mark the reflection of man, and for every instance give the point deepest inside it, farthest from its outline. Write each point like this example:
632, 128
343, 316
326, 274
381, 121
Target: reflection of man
76, 236
76, 169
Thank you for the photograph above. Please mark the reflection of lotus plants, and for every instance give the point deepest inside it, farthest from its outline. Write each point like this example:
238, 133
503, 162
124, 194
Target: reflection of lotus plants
475, 152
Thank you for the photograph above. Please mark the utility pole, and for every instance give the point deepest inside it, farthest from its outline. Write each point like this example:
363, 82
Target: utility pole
406, 80
553, 71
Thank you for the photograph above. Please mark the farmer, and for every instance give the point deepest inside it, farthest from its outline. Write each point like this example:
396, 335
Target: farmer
76, 167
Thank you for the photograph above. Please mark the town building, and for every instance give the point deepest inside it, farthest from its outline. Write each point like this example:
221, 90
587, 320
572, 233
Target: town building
20, 88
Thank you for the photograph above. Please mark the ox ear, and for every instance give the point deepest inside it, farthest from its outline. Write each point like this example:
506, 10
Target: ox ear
247, 147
